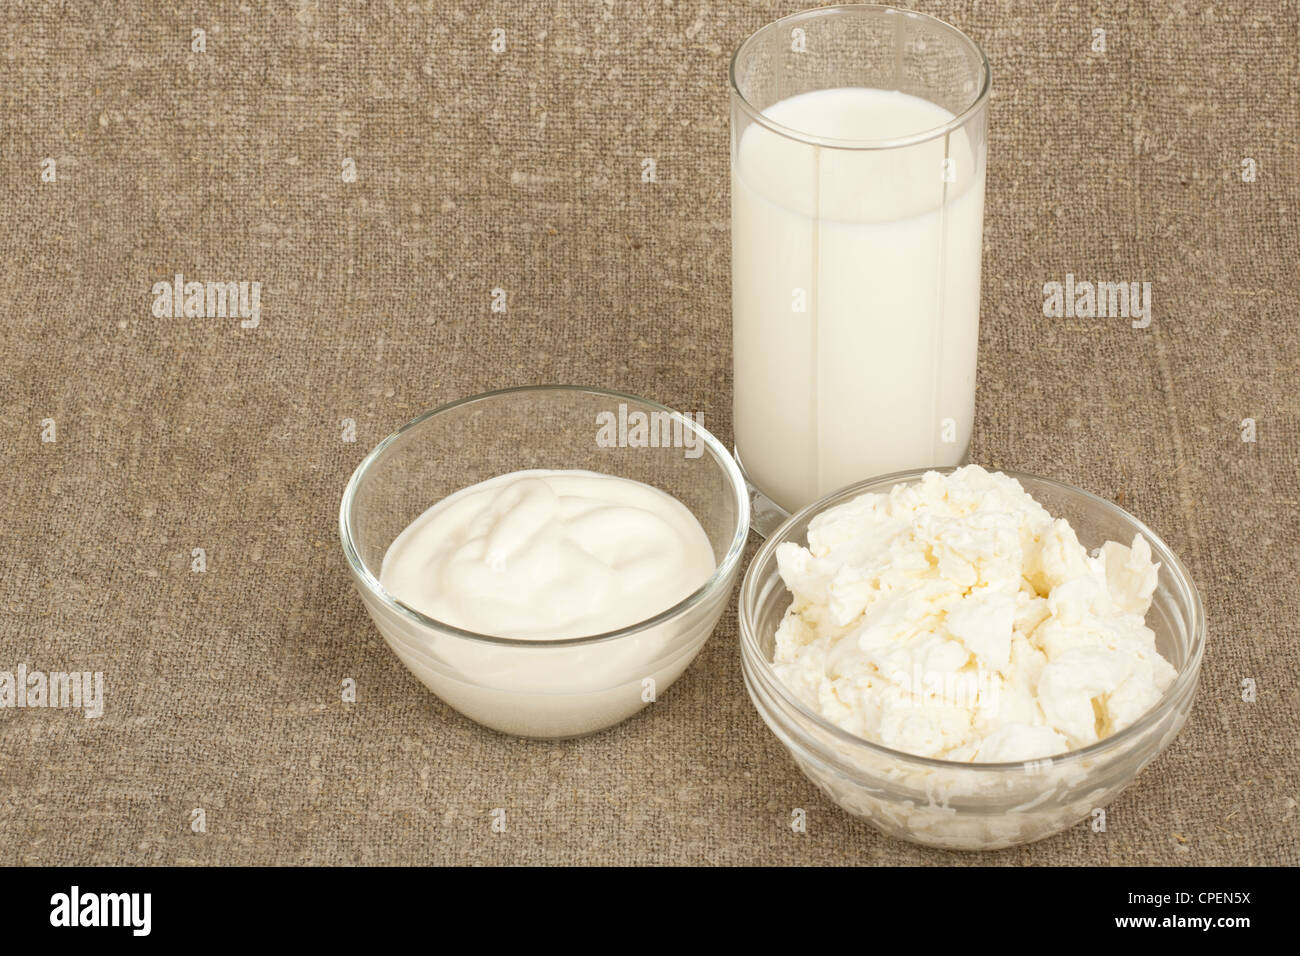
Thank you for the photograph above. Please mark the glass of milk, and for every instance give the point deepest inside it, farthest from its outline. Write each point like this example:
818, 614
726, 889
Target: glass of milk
858, 150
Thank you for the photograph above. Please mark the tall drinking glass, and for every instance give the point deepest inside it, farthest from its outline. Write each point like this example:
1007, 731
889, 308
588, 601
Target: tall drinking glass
858, 149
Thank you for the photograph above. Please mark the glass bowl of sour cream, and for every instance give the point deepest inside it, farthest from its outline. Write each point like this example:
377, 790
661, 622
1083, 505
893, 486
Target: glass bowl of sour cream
549, 559
1017, 776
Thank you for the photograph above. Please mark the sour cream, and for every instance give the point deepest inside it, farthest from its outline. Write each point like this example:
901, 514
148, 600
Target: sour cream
545, 555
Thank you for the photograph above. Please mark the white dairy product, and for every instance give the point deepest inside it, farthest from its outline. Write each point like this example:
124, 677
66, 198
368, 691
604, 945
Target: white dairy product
540, 556
548, 555
955, 618
881, 251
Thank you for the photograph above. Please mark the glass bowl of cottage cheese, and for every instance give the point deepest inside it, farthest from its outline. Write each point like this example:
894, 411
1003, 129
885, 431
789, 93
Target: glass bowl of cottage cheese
970, 659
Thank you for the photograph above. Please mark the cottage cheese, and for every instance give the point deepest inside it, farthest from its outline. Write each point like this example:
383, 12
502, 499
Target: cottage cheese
956, 618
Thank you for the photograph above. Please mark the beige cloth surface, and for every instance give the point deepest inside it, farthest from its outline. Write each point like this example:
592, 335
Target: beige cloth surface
521, 170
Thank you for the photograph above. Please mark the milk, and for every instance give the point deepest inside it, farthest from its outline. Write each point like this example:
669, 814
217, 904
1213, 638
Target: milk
855, 292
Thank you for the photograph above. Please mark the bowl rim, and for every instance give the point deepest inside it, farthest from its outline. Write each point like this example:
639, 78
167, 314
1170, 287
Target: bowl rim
721, 574
753, 658
789, 132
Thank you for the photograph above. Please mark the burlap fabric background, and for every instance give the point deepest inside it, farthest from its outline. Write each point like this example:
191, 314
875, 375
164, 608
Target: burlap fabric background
522, 170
